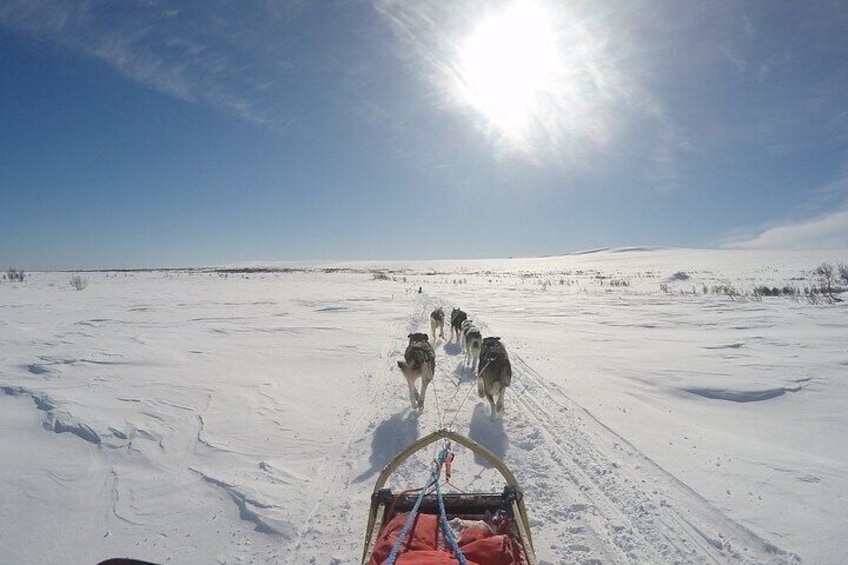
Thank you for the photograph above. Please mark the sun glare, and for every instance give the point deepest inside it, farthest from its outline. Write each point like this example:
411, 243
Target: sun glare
508, 64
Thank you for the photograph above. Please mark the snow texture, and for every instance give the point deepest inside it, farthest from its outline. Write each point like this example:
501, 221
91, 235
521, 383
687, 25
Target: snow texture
241, 415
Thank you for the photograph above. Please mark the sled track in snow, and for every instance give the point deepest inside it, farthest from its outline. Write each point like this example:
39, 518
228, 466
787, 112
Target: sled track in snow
592, 497
639, 512
343, 521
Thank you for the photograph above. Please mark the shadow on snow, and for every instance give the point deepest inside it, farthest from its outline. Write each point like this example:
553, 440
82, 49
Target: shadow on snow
463, 373
452, 348
390, 437
487, 433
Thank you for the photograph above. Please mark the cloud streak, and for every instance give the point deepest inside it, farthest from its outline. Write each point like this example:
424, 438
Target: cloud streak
640, 89
218, 54
819, 230
594, 103
825, 231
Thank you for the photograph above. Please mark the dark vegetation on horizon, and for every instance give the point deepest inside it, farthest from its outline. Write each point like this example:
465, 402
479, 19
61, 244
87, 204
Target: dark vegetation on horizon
824, 283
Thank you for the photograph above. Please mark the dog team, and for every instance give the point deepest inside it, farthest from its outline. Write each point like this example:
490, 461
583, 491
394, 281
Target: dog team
487, 356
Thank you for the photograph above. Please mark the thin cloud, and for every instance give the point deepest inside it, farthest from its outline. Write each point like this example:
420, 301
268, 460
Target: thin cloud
221, 55
826, 231
761, 76
592, 107
825, 225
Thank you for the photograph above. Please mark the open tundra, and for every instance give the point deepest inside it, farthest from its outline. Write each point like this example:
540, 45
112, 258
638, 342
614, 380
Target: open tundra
656, 414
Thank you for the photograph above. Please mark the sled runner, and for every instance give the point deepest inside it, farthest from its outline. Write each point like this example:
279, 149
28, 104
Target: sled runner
427, 526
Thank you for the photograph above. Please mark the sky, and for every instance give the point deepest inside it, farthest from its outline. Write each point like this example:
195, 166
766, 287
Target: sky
150, 133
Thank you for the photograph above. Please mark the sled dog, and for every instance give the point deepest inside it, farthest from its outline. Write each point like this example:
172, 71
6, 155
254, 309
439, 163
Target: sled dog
419, 361
437, 322
472, 342
457, 317
466, 324
494, 374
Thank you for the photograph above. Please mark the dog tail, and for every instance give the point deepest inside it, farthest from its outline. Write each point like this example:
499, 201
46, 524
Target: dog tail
410, 368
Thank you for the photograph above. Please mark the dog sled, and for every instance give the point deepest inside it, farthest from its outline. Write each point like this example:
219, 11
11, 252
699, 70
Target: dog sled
427, 526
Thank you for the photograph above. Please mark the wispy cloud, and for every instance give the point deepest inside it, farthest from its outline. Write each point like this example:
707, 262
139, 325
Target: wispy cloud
822, 222
593, 107
783, 69
217, 53
827, 230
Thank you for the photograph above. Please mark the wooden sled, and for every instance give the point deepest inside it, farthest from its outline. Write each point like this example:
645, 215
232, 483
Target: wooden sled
507, 507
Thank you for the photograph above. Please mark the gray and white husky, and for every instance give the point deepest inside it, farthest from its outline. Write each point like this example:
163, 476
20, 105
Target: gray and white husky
419, 361
437, 322
472, 342
494, 374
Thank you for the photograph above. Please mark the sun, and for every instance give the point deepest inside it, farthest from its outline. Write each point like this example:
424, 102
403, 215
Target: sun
508, 64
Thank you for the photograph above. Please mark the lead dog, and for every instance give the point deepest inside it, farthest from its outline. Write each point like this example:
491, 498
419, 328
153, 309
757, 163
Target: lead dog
419, 361
494, 374
472, 342
437, 322
457, 317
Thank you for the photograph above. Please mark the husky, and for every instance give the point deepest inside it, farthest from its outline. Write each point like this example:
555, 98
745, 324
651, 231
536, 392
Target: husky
472, 341
437, 322
466, 323
494, 374
419, 360
457, 317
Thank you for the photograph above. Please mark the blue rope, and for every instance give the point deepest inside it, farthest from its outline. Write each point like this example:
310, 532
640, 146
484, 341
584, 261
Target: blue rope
446, 527
434, 479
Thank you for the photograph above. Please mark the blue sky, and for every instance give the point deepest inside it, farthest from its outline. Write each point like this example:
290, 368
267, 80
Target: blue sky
150, 133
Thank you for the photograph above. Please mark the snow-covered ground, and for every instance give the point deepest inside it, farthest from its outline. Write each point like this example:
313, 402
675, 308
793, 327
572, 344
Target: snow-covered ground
203, 418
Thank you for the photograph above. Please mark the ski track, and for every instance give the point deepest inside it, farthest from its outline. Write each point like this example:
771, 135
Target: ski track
330, 519
647, 514
383, 402
623, 507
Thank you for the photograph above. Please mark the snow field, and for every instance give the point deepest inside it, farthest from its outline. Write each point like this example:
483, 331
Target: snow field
192, 417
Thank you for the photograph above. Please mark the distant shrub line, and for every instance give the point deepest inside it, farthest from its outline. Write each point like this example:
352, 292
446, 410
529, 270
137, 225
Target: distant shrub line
763, 290
829, 282
14, 275
823, 284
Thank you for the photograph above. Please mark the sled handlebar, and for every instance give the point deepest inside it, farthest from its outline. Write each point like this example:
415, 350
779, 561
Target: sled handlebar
484, 452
